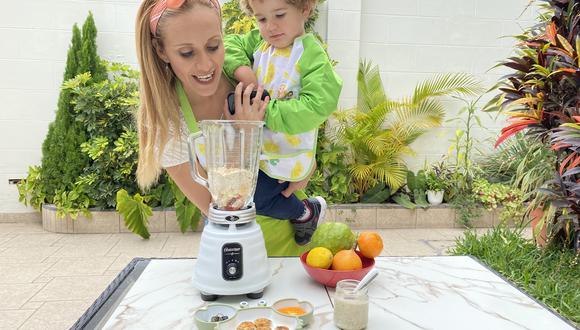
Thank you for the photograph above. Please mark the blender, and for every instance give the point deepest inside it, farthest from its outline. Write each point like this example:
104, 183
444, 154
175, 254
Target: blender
232, 255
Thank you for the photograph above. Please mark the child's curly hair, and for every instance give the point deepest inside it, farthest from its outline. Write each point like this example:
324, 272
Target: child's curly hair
246, 6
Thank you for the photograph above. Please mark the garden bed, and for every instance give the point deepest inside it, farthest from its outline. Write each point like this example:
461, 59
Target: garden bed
357, 216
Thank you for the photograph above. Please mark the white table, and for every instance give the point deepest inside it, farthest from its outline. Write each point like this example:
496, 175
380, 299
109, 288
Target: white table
443, 292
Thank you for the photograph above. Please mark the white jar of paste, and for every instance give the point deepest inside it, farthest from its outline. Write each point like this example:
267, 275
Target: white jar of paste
351, 309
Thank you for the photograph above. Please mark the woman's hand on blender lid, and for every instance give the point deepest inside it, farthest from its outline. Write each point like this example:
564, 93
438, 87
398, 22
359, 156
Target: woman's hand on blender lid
246, 107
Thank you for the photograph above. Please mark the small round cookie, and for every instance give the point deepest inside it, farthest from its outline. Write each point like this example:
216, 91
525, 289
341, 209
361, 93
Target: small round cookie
263, 322
281, 327
246, 326
263, 328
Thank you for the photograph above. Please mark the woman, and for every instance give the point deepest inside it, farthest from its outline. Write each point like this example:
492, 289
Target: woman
181, 55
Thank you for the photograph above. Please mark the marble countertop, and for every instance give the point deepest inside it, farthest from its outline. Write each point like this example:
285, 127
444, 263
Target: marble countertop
443, 292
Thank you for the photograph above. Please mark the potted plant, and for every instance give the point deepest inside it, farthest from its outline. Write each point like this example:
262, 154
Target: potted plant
435, 187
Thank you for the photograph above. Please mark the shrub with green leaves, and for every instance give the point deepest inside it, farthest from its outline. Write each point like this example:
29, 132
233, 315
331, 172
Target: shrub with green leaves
331, 179
62, 159
493, 195
90, 153
105, 109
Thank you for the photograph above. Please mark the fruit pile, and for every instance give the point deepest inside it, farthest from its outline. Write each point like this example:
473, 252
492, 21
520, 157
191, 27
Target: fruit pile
335, 246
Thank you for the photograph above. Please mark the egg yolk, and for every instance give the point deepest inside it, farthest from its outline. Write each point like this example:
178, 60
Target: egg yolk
292, 311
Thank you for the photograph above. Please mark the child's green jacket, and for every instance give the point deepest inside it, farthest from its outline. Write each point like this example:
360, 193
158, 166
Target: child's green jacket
304, 90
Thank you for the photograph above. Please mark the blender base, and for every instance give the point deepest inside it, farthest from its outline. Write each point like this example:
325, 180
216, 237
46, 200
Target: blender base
208, 297
255, 295
214, 297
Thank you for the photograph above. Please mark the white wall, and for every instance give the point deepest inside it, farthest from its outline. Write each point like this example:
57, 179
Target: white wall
34, 38
410, 40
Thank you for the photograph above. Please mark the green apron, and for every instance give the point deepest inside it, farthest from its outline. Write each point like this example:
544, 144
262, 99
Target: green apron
278, 234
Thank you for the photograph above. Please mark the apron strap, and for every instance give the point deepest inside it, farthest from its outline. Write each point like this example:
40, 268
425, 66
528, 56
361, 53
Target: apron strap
186, 108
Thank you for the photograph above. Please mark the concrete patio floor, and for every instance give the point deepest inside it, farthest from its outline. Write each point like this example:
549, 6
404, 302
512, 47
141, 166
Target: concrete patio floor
48, 280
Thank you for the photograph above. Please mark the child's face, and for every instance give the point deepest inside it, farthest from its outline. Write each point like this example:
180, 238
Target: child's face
279, 22
193, 46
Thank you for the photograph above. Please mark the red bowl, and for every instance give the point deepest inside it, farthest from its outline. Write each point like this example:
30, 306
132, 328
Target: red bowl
330, 277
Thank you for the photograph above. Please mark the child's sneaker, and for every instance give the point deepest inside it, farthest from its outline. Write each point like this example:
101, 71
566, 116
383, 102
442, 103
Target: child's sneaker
303, 230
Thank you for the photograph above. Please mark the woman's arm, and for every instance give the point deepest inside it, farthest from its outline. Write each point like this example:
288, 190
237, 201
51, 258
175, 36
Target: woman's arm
196, 193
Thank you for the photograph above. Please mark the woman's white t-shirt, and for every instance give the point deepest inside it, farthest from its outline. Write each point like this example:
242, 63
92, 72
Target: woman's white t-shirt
175, 152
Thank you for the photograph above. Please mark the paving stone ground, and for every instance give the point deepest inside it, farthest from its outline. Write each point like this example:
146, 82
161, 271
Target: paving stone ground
48, 280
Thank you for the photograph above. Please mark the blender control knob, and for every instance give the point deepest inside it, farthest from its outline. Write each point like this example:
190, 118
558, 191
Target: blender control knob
232, 268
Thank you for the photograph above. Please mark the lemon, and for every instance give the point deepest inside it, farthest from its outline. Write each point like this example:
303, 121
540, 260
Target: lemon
319, 257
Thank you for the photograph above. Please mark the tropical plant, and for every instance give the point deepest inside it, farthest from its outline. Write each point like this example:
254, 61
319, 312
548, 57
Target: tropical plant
542, 97
563, 192
464, 146
378, 132
377, 194
522, 162
461, 155
413, 194
542, 93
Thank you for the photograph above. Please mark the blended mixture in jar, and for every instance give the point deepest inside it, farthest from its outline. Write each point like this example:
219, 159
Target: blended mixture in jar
230, 187
350, 314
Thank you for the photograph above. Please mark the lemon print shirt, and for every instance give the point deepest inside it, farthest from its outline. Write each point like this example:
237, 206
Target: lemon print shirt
304, 90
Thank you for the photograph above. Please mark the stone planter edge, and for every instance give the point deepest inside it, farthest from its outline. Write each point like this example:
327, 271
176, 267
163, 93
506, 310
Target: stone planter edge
357, 216
109, 222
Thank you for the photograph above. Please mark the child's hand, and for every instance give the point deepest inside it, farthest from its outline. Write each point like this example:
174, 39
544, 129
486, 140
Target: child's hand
247, 109
298, 185
245, 75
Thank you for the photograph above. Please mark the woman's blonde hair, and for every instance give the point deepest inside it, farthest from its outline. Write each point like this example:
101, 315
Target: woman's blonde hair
159, 106
246, 5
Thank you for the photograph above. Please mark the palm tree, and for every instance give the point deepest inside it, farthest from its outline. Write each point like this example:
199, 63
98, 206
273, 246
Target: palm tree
379, 131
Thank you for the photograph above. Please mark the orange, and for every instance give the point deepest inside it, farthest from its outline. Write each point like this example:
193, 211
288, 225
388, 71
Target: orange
346, 260
370, 244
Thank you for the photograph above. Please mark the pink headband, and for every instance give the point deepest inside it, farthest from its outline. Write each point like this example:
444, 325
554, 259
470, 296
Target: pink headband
161, 5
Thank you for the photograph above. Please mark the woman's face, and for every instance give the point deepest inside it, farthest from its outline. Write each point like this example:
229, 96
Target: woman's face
192, 44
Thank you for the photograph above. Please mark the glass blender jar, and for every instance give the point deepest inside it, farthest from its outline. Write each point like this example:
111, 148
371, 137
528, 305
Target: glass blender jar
231, 150
232, 256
